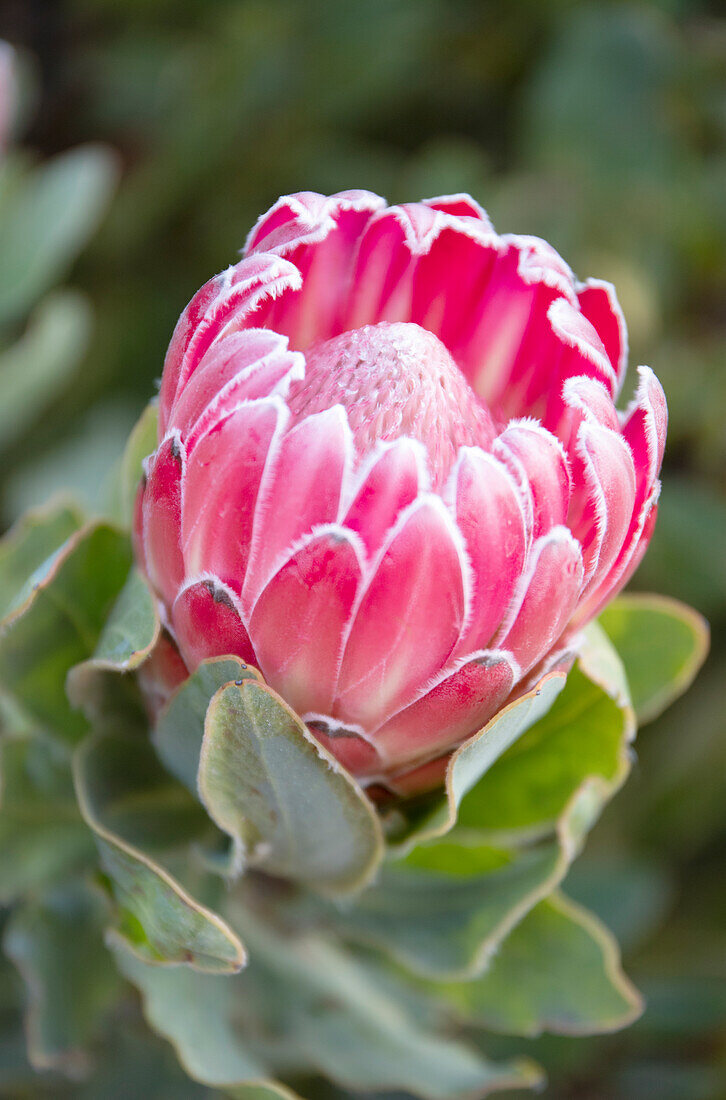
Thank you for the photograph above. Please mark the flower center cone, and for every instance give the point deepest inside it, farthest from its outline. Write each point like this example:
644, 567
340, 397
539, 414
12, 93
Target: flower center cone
395, 379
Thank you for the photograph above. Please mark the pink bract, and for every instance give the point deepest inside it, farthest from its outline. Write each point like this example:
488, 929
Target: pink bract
391, 473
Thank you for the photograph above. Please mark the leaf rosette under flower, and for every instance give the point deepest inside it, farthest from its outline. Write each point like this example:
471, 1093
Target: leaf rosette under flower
391, 474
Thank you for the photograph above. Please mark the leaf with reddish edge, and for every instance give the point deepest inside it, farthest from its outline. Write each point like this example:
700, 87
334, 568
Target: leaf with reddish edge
198, 1014
662, 643
445, 907
443, 911
285, 802
538, 740
357, 1024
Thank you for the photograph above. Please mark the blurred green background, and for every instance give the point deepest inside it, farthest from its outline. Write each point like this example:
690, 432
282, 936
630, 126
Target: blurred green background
601, 127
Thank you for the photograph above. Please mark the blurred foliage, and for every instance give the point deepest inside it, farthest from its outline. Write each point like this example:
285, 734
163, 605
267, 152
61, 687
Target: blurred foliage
600, 126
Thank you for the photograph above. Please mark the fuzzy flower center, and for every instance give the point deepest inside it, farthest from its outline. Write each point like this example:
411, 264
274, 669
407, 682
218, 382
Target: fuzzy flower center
395, 379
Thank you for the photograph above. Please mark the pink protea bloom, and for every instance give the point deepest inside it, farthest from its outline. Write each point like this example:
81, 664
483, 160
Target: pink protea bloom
391, 473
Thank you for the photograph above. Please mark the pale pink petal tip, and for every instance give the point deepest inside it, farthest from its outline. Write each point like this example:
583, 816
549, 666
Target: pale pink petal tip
599, 304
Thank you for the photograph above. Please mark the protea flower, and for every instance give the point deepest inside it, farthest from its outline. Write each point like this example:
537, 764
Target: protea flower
391, 473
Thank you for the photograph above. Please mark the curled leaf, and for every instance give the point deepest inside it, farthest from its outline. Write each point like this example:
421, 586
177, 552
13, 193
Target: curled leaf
557, 971
198, 1013
132, 805
283, 798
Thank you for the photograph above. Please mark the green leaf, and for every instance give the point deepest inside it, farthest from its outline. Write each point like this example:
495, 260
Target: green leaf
42, 836
37, 368
602, 664
142, 442
691, 522
127, 638
281, 797
66, 603
57, 945
180, 728
477, 755
359, 1040
48, 222
662, 643
17, 1076
200, 1014
132, 629
558, 971
261, 1090
136, 812
631, 895
133, 1062
82, 462
31, 542
443, 911
582, 740
356, 1027
325, 1010
447, 906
